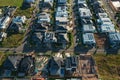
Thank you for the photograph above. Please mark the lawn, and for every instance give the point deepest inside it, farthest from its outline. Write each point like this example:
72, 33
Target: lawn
108, 66
17, 3
12, 41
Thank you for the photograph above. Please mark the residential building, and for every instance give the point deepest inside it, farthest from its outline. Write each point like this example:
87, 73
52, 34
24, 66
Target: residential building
62, 2
15, 28
55, 65
60, 29
88, 39
114, 40
87, 25
115, 5
49, 37
85, 13
28, 3
61, 11
82, 1
41, 28
2, 35
5, 22
107, 28
43, 18
12, 62
38, 37
102, 15
62, 38
62, 21
26, 66
47, 4
17, 24
71, 64
19, 19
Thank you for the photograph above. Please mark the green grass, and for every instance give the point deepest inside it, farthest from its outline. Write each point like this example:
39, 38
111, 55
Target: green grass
17, 3
12, 41
108, 66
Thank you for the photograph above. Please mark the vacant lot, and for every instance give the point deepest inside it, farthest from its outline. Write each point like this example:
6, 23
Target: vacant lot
17, 3
108, 66
12, 41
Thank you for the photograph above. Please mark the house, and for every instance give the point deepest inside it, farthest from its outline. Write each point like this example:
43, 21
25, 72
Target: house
19, 19
17, 24
114, 39
62, 2
105, 25
82, 1
115, 5
41, 28
87, 25
60, 29
102, 15
62, 11
29, 1
26, 66
104, 21
12, 62
49, 37
15, 28
37, 37
55, 67
47, 4
2, 35
5, 22
85, 13
43, 18
88, 39
62, 21
62, 38
71, 64
81, 5
107, 28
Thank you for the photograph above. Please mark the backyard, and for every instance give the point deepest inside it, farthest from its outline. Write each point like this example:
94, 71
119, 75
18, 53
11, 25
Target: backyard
108, 66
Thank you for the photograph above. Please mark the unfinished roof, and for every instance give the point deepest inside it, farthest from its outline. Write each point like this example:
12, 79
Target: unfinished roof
88, 38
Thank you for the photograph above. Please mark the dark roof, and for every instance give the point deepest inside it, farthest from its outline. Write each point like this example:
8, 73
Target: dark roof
61, 38
61, 28
27, 65
29, 1
12, 61
54, 65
